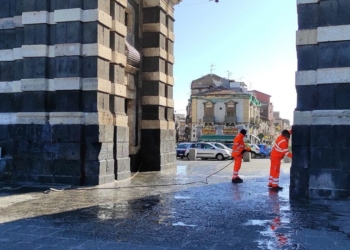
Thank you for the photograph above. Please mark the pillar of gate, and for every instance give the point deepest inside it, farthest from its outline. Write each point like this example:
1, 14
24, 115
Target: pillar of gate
62, 92
321, 137
158, 128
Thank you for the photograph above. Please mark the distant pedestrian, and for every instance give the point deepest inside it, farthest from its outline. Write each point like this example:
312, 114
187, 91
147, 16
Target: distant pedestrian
238, 150
280, 149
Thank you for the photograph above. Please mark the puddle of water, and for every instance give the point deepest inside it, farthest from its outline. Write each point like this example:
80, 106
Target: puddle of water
181, 170
257, 222
181, 224
179, 197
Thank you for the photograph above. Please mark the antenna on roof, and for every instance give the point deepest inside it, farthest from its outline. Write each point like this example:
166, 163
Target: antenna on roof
212, 68
229, 73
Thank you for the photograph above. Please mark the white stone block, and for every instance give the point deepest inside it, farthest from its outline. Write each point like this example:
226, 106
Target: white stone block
66, 118
307, 1
306, 77
70, 49
37, 84
67, 83
306, 37
68, 15
7, 118
6, 55
10, 87
32, 118
333, 33
17, 54
35, 17
302, 117
333, 75
35, 50
331, 117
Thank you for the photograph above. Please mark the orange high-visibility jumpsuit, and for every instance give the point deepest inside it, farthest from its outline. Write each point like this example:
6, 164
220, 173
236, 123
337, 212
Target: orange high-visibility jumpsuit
237, 150
279, 150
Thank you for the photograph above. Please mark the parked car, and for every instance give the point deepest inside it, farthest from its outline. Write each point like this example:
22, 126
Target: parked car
264, 152
222, 146
180, 149
255, 150
229, 145
207, 150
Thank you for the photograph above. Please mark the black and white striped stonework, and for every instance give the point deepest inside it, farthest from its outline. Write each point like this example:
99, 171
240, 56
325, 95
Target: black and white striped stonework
321, 134
63, 87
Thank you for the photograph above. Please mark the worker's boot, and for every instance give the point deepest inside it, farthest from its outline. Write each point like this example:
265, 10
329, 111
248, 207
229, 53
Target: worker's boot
237, 180
277, 188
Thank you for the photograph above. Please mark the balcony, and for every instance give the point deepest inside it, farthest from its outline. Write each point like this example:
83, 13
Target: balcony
208, 119
230, 119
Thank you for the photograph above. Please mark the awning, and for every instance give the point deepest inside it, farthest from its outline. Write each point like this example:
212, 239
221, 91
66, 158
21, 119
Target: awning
132, 54
217, 138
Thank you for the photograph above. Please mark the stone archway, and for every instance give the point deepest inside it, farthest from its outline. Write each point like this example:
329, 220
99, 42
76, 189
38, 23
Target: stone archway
64, 81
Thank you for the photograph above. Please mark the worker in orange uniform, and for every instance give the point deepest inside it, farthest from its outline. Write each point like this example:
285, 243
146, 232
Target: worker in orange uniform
238, 149
279, 150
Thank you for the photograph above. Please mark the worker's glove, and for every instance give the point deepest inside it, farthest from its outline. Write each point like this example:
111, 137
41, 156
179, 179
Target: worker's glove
243, 152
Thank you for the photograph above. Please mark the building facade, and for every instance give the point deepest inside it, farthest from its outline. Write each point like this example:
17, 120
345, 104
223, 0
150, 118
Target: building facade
220, 107
86, 89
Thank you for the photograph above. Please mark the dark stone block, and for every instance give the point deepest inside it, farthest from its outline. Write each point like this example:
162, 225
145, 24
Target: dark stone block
96, 151
89, 101
19, 7
36, 34
327, 55
301, 156
150, 138
51, 68
4, 131
341, 158
342, 133
61, 33
329, 179
7, 102
151, 40
343, 54
18, 70
19, 37
35, 67
75, 4
67, 101
5, 8
69, 180
151, 64
301, 135
326, 97
308, 16
6, 167
151, 15
96, 133
90, 32
153, 88
62, 4
74, 32
42, 5
328, 13
342, 95
7, 39
7, 72
322, 157
53, 5
53, 38
33, 101
307, 97
40, 167
153, 112
95, 168
343, 12
90, 4
68, 66
66, 168
67, 151
21, 167
307, 57
67, 133
29, 5
90, 66
323, 136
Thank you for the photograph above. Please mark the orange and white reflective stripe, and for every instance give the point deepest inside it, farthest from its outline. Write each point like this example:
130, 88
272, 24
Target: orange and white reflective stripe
275, 181
235, 174
277, 147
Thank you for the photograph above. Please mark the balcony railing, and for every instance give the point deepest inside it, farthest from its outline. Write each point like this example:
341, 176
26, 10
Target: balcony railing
208, 119
230, 119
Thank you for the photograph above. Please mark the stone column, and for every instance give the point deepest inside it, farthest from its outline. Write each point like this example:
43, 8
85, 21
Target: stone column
62, 90
158, 127
321, 137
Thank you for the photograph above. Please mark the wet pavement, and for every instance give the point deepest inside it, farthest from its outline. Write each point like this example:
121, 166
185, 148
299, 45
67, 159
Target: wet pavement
174, 209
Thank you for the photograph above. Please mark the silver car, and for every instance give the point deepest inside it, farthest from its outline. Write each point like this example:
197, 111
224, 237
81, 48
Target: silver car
208, 151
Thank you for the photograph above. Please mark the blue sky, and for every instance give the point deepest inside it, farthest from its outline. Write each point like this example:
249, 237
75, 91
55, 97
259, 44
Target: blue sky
253, 39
